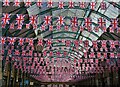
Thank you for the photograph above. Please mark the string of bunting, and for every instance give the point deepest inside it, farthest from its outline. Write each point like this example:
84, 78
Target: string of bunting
49, 42
59, 24
60, 4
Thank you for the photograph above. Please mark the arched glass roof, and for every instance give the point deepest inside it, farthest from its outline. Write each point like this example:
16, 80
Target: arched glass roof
80, 13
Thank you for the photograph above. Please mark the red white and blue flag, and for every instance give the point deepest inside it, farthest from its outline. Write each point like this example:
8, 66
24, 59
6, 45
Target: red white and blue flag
114, 23
39, 3
61, 5
60, 20
6, 2
5, 18
74, 21
47, 20
71, 4
27, 3
20, 19
50, 3
33, 19
101, 22
17, 3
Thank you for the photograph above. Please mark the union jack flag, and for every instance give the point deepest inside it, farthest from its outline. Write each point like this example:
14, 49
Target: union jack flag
58, 27
89, 28
88, 22
105, 55
17, 3
98, 54
31, 42
92, 55
76, 42
19, 26
5, 18
21, 40
27, 3
9, 51
71, 4
34, 26
3, 25
20, 19
92, 4
111, 29
74, 28
27, 26
17, 52
50, 27
40, 42
103, 5
82, 4
94, 44
49, 42
103, 44
39, 3
47, 20
96, 61
50, 3
43, 27
101, 22
6, 2
58, 53
67, 42
96, 29
12, 40
3, 40
12, 26
74, 21
61, 5
61, 20
114, 23
66, 28
112, 44
33, 19
81, 28
51, 53
86, 43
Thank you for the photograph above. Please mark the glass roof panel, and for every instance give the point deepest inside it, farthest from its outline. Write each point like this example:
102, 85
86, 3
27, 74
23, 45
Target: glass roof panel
57, 12
85, 33
107, 23
93, 37
80, 13
33, 10
111, 11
